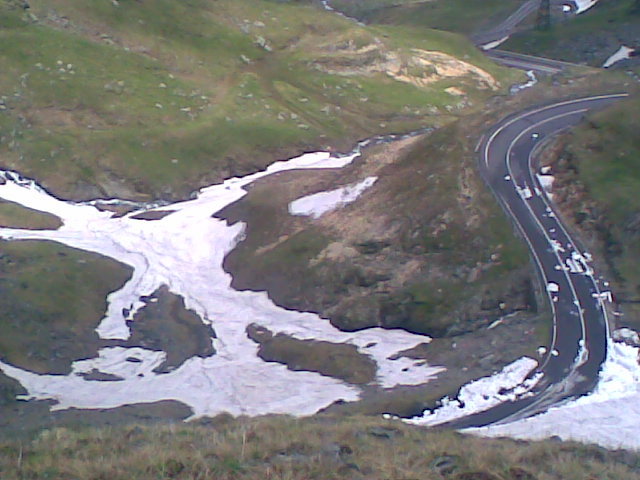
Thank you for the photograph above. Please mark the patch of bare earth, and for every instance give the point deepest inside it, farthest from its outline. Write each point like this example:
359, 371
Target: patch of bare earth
417, 67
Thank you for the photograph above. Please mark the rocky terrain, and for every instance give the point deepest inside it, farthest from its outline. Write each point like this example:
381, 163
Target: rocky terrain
416, 251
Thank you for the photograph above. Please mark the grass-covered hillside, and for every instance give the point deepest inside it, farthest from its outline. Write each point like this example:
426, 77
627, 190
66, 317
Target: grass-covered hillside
598, 167
285, 448
156, 98
47, 291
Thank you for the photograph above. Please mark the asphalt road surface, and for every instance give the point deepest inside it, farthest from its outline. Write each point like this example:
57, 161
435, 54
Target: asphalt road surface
527, 62
580, 330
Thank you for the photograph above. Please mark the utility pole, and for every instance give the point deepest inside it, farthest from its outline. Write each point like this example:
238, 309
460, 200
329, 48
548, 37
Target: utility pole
543, 21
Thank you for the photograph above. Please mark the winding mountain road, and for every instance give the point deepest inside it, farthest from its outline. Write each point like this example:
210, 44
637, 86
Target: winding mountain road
580, 331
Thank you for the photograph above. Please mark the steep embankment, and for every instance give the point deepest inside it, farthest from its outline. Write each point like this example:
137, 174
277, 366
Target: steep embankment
597, 182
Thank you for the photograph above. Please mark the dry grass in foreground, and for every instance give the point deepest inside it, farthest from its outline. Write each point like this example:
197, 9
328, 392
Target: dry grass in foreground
314, 448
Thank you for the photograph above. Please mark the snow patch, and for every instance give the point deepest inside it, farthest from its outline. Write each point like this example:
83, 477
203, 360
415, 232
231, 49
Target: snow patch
609, 416
532, 81
546, 181
122, 362
584, 5
627, 335
508, 384
319, 203
495, 43
622, 53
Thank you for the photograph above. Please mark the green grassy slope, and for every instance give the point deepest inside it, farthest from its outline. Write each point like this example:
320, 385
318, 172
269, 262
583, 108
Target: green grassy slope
285, 448
52, 298
13, 215
157, 98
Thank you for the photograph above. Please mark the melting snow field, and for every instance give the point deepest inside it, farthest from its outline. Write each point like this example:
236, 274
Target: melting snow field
184, 251
610, 416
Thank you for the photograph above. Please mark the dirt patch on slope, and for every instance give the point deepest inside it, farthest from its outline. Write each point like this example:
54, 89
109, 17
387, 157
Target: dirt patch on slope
417, 67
